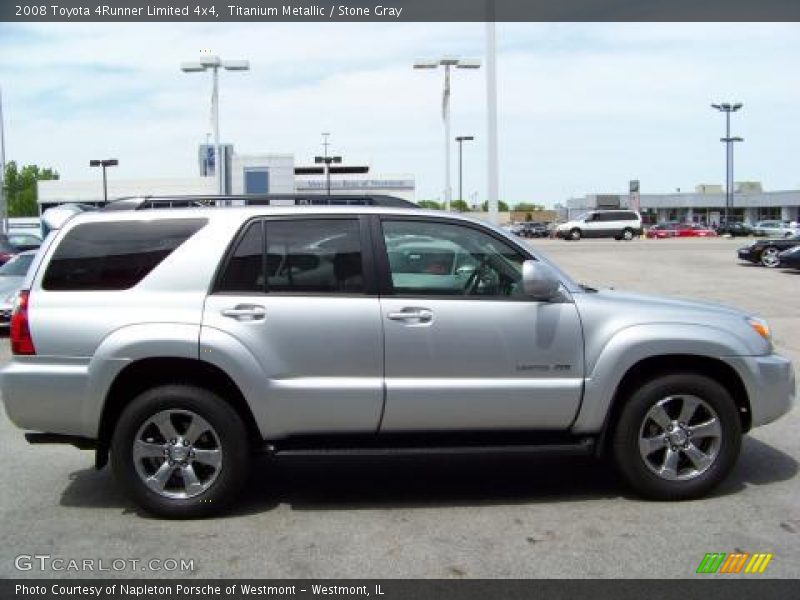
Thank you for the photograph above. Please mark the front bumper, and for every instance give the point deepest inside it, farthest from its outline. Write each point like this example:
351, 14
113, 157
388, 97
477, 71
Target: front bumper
770, 383
747, 254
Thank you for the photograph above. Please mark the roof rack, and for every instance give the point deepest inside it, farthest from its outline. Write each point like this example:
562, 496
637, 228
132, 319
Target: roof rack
148, 202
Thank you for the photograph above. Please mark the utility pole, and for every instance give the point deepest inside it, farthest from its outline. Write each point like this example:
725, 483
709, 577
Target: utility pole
3, 205
327, 161
461, 139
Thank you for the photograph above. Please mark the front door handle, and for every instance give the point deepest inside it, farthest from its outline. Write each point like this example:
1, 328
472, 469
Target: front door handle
421, 315
245, 312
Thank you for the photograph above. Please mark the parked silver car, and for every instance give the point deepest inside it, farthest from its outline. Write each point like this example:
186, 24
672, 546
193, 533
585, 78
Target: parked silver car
185, 340
775, 229
12, 276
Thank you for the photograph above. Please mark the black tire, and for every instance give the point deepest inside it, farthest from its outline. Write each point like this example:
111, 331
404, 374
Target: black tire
633, 419
227, 431
575, 234
627, 234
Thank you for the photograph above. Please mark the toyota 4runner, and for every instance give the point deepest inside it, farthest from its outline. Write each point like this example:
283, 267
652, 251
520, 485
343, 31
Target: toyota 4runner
183, 341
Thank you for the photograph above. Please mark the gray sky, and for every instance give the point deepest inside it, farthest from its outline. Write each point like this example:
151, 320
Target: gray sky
583, 108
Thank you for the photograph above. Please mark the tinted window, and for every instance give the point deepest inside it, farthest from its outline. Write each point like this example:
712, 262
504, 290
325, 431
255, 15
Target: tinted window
114, 256
442, 259
314, 256
628, 216
244, 271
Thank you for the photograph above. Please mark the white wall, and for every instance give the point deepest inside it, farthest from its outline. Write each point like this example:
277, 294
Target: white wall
59, 191
280, 167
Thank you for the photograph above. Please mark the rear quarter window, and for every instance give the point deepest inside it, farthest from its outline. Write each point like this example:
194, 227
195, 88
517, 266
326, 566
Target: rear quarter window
114, 255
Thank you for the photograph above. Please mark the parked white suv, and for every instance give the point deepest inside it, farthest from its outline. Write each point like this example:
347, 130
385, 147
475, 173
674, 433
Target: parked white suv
184, 340
617, 224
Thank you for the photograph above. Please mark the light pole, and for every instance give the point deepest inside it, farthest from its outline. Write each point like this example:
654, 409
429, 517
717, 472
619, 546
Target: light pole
447, 62
107, 162
3, 207
213, 64
327, 161
728, 108
461, 139
492, 179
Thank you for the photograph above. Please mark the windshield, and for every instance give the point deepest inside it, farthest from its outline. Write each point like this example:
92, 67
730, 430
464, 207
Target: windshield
17, 266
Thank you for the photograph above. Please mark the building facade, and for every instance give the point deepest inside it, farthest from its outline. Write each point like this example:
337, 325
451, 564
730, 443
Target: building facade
705, 205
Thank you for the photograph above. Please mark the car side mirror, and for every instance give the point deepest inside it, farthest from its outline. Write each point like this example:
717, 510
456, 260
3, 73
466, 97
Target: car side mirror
539, 281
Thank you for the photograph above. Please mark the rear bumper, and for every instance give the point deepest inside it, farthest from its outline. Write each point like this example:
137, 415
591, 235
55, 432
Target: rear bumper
42, 395
770, 383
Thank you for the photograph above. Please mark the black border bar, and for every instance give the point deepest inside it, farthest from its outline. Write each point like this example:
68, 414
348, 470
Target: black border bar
399, 10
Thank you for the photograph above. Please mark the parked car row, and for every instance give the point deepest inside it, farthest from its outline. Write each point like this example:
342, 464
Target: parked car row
772, 253
672, 229
531, 229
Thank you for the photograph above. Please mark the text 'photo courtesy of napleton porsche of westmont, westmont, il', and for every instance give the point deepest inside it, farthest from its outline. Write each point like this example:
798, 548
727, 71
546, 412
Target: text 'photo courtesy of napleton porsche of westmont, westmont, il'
448, 300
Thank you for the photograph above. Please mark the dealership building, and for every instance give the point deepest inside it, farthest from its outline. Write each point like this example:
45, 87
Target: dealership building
705, 205
242, 174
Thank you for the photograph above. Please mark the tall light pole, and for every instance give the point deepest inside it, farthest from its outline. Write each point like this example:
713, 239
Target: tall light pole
728, 108
213, 64
327, 160
461, 139
108, 162
447, 62
492, 179
3, 206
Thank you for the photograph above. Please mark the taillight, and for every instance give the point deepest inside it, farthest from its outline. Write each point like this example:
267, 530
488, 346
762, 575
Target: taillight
21, 342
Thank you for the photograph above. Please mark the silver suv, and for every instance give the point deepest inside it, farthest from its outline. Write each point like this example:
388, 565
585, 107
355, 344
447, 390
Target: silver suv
183, 341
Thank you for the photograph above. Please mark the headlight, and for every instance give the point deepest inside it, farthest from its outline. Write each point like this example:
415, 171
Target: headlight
760, 326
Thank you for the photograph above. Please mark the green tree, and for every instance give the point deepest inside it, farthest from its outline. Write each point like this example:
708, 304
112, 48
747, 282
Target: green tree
527, 207
501, 206
429, 204
459, 206
20, 188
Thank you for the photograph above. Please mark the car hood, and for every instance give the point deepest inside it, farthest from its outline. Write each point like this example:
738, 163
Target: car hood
608, 312
8, 285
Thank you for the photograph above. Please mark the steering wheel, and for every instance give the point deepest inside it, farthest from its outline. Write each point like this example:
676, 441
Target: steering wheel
474, 279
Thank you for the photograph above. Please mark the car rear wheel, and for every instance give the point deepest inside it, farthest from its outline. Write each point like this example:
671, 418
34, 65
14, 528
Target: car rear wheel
575, 234
678, 436
769, 257
180, 451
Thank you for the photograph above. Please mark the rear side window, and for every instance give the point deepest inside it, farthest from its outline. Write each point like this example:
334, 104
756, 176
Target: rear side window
312, 256
114, 256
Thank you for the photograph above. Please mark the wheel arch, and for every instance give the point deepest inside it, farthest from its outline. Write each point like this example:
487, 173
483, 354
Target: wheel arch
655, 366
147, 373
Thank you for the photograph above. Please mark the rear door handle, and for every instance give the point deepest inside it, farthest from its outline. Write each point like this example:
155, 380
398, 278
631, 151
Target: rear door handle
245, 312
422, 315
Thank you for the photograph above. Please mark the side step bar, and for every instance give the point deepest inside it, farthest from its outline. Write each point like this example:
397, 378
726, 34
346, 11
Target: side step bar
583, 447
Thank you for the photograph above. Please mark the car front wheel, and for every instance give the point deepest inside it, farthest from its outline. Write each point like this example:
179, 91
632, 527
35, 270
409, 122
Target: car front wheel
180, 451
769, 257
627, 235
677, 437
575, 234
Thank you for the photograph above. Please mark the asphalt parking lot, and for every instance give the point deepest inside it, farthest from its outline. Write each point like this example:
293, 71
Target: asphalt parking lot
448, 517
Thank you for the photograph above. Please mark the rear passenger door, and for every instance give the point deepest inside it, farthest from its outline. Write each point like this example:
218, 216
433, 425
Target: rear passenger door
298, 294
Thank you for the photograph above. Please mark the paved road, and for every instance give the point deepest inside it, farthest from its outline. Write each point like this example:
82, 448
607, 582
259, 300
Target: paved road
449, 517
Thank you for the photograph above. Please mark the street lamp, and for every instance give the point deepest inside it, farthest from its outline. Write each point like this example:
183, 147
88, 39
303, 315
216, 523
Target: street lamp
107, 162
447, 62
728, 108
327, 161
213, 64
461, 139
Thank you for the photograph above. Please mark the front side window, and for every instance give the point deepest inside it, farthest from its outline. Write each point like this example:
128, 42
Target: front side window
442, 259
114, 255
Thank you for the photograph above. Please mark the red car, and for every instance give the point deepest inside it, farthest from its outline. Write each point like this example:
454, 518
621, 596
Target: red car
663, 230
695, 230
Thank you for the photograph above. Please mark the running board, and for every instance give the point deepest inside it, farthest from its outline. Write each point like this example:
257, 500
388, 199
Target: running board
583, 447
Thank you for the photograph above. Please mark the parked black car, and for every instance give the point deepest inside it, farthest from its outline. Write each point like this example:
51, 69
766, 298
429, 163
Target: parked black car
791, 258
734, 229
767, 251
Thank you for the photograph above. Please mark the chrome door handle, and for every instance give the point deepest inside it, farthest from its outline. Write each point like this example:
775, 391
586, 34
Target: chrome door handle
423, 315
245, 312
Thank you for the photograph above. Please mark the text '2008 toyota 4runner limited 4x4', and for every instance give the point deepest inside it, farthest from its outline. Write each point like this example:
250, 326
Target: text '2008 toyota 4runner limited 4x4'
183, 341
